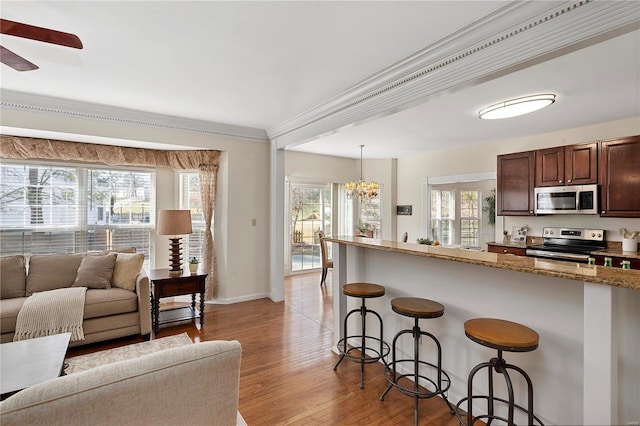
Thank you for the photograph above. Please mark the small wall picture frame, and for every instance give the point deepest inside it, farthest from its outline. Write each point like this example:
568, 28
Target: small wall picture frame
404, 210
519, 235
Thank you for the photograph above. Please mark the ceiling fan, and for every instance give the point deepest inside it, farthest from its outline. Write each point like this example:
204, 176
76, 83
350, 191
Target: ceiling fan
46, 35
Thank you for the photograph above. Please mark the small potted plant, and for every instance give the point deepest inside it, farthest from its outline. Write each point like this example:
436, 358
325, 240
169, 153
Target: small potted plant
193, 265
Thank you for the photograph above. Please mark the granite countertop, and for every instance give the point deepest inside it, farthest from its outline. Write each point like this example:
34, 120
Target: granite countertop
615, 277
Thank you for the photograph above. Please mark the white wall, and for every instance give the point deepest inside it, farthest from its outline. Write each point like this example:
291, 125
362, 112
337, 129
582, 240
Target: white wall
243, 193
319, 168
482, 158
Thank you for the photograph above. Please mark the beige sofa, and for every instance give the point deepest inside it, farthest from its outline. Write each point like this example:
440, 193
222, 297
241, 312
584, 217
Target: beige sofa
118, 307
196, 384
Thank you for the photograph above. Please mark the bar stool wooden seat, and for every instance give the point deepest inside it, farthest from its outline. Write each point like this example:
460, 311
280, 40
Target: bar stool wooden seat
507, 336
358, 350
438, 381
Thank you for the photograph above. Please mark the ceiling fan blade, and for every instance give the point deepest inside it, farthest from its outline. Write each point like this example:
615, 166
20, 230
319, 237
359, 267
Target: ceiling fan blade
40, 34
16, 62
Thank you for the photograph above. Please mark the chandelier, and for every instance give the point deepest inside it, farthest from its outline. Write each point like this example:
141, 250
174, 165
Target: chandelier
361, 189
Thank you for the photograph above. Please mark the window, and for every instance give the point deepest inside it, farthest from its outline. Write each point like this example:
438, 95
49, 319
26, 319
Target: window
469, 218
443, 208
371, 214
65, 209
190, 200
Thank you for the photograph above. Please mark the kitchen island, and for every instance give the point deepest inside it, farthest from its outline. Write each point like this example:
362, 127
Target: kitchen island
586, 369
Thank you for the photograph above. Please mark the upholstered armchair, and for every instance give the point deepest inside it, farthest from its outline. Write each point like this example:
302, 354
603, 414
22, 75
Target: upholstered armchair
326, 262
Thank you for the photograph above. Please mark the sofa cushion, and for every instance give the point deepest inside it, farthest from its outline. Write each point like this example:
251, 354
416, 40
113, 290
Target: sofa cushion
52, 271
9, 309
13, 276
126, 270
95, 271
100, 303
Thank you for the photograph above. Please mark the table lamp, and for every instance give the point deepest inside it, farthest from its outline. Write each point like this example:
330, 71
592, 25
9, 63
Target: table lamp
174, 223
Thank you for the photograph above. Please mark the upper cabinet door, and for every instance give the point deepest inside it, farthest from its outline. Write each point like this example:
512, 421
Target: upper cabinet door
550, 167
581, 164
620, 177
567, 165
514, 195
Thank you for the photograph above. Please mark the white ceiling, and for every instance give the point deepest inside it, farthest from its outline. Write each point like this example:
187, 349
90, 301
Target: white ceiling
259, 64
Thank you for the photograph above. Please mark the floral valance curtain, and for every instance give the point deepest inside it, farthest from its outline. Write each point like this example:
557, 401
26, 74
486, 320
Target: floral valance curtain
18, 147
205, 161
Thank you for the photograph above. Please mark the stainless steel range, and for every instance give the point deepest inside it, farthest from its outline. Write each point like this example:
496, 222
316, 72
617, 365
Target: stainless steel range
573, 244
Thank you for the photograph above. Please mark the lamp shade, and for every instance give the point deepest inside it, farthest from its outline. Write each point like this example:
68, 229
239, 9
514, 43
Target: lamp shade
174, 222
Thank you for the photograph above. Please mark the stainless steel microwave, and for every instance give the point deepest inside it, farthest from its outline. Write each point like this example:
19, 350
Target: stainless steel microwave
577, 199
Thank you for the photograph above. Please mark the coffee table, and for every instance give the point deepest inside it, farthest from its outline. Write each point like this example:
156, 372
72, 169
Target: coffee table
28, 362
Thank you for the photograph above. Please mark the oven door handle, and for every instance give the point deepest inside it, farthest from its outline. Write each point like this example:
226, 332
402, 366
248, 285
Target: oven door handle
556, 255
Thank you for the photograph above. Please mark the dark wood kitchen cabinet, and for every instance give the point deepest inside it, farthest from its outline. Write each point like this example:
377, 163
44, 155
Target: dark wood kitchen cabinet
616, 261
567, 165
515, 179
620, 177
502, 249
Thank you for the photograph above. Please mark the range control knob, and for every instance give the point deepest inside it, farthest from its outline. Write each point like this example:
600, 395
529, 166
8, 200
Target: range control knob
593, 234
599, 235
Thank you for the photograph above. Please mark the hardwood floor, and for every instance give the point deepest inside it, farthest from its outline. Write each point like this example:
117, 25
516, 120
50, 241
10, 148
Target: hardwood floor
287, 375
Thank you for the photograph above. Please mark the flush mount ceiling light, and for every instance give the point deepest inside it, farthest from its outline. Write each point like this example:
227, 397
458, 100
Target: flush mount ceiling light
516, 107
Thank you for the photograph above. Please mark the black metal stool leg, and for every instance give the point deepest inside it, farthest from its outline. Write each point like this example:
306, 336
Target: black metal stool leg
490, 405
392, 365
363, 318
344, 341
530, 414
470, 390
416, 369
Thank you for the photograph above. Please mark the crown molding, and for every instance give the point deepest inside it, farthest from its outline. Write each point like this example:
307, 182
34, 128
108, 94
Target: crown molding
516, 36
106, 113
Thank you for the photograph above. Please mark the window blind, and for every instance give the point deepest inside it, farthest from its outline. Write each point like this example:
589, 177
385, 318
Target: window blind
190, 200
65, 209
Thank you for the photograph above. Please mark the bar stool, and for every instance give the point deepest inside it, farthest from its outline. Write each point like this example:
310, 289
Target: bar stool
503, 336
417, 308
367, 355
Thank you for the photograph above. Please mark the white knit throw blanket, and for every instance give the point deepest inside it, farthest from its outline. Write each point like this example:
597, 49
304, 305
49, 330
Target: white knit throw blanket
52, 312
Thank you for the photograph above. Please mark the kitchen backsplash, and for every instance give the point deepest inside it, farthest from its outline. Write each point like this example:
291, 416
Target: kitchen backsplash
535, 224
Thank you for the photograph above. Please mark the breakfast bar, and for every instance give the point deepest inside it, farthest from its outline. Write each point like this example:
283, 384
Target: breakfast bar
586, 369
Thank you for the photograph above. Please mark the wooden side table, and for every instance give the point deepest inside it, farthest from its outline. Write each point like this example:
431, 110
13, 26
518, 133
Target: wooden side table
164, 284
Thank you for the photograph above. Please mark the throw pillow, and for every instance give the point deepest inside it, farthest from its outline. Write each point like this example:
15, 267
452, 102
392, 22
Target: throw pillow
126, 270
52, 271
13, 277
95, 271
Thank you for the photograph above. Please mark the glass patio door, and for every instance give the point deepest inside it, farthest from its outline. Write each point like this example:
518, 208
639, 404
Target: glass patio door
310, 212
